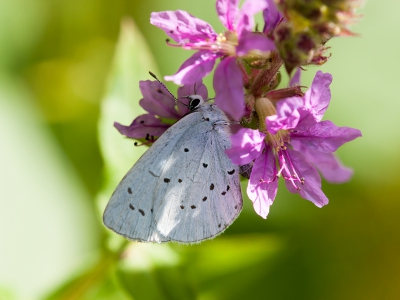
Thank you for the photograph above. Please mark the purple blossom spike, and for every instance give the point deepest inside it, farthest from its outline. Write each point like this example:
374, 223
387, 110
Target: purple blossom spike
296, 145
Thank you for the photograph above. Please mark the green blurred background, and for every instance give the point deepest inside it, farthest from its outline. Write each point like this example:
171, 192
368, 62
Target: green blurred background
68, 69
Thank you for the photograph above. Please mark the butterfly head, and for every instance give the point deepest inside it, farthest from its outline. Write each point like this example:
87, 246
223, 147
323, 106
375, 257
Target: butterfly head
195, 101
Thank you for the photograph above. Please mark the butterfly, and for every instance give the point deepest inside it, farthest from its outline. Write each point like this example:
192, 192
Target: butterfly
184, 188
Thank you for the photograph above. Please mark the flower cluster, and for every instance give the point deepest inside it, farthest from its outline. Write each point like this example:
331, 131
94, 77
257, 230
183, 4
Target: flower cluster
283, 133
295, 143
237, 42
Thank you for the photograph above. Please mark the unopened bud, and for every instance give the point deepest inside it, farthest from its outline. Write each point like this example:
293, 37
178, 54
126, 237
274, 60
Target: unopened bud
264, 108
297, 48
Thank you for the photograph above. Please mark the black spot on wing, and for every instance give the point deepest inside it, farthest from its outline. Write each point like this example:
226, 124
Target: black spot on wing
204, 199
131, 206
212, 186
205, 165
193, 207
182, 207
227, 188
179, 180
142, 212
186, 150
231, 172
167, 180
129, 190
223, 193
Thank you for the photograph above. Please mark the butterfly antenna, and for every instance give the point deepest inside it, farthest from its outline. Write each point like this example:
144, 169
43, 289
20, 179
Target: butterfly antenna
165, 87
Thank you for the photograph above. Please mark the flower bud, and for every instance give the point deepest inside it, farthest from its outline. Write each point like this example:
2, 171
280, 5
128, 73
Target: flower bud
264, 108
310, 24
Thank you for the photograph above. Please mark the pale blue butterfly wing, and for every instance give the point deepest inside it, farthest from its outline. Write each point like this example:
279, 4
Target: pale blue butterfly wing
184, 188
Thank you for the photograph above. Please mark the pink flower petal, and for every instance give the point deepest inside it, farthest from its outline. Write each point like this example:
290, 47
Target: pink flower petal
328, 164
271, 17
156, 100
247, 145
311, 189
262, 194
295, 80
228, 86
287, 115
245, 20
250, 41
318, 96
183, 27
194, 68
142, 126
228, 11
325, 136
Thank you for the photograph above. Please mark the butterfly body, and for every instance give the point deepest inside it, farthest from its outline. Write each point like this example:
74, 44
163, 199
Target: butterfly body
184, 188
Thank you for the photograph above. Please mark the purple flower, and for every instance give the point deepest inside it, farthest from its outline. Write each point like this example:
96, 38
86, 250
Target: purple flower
296, 143
272, 17
195, 34
162, 109
295, 80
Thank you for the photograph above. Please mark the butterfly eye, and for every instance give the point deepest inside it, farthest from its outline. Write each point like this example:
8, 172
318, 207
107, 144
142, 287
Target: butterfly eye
195, 102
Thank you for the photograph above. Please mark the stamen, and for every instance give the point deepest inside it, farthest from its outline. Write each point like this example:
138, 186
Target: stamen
196, 46
168, 42
268, 181
142, 144
287, 169
277, 141
221, 38
222, 44
149, 138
